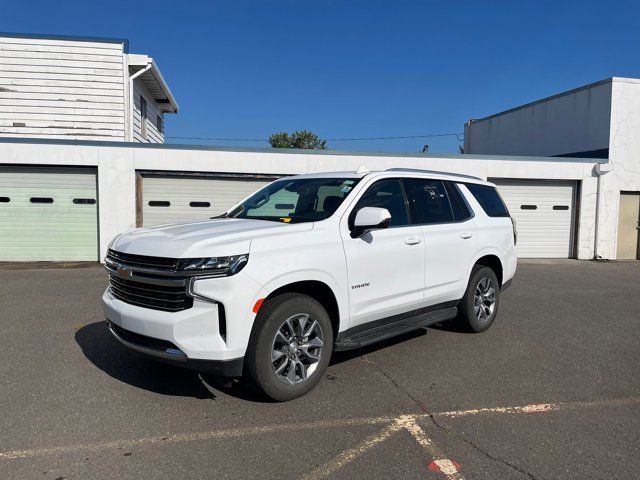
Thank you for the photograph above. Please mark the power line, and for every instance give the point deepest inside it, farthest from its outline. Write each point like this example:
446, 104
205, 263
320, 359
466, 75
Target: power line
354, 139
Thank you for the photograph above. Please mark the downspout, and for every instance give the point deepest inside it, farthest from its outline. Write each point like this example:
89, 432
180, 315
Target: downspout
600, 169
131, 99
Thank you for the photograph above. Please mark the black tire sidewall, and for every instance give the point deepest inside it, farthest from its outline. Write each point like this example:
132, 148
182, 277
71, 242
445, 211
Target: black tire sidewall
269, 319
467, 310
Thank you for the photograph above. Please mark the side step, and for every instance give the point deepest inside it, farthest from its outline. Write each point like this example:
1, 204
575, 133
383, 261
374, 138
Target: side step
382, 330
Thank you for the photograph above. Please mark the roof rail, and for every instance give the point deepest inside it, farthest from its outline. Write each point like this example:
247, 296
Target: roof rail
420, 170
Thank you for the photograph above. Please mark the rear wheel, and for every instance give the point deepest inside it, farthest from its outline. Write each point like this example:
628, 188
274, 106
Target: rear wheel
290, 347
479, 306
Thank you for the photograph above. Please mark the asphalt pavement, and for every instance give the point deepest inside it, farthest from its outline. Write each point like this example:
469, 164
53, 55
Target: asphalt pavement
551, 391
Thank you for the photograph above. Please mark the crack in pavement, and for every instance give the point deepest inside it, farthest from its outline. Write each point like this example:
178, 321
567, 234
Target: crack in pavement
449, 432
476, 447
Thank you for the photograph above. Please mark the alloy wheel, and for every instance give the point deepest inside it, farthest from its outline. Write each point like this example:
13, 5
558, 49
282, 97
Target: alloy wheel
296, 349
484, 302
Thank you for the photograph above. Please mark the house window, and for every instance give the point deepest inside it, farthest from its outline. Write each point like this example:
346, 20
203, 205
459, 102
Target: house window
159, 124
143, 117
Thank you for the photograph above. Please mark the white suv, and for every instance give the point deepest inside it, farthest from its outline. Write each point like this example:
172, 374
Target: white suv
309, 265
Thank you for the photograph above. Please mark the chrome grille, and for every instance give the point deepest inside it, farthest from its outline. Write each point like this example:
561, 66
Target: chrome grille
145, 281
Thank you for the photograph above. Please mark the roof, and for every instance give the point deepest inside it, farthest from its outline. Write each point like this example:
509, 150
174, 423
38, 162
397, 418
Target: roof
546, 99
394, 173
425, 156
72, 38
153, 81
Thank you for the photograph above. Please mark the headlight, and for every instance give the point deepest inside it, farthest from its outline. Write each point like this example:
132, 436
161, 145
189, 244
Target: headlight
214, 265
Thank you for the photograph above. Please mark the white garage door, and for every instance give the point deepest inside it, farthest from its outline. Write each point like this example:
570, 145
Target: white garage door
544, 212
48, 214
173, 199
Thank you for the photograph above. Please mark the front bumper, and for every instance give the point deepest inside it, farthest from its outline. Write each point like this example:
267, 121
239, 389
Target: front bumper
167, 352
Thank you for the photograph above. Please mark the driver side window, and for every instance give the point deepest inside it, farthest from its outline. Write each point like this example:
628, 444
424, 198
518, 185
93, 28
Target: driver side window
384, 194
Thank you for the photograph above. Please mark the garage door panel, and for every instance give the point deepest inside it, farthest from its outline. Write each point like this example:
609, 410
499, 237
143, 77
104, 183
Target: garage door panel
174, 199
543, 231
57, 231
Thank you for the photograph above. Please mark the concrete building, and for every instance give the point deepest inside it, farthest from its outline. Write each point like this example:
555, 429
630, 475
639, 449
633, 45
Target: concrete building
80, 88
599, 120
65, 200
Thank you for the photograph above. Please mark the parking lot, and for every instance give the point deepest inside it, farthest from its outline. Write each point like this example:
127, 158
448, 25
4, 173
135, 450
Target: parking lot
552, 390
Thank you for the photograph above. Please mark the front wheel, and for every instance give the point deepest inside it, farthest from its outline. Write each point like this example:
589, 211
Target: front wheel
290, 347
479, 306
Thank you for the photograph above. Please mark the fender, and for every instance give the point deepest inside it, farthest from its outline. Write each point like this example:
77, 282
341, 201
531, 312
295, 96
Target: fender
483, 253
305, 275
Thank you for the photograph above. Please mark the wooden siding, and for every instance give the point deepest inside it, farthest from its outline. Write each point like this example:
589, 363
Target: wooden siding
61, 89
153, 135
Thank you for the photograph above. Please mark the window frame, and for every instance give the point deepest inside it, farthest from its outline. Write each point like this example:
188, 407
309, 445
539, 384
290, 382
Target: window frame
352, 213
453, 186
143, 116
159, 124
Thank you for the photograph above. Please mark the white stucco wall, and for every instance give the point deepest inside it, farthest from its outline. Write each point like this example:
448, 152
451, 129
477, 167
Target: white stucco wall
624, 153
574, 121
118, 163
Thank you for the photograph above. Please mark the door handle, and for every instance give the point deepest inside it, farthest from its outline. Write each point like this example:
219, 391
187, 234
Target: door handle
466, 235
412, 241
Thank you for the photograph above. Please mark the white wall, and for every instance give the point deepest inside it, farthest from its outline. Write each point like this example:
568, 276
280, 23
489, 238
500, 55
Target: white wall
624, 153
153, 135
61, 89
576, 121
118, 163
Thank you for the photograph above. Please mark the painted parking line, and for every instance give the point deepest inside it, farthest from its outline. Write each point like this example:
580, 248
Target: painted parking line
391, 421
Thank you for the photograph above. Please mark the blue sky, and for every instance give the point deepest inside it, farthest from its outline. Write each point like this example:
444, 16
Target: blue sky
353, 68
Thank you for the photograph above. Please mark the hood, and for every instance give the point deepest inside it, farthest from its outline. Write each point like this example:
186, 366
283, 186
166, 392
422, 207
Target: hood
210, 238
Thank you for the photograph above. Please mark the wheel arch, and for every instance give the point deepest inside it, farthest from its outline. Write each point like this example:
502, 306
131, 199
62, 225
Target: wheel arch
492, 261
317, 290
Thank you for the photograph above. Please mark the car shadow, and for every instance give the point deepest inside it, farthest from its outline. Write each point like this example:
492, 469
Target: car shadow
117, 361
106, 353
345, 356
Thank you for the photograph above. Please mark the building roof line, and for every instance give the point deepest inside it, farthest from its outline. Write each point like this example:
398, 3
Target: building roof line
545, 99
74, 38
166, 146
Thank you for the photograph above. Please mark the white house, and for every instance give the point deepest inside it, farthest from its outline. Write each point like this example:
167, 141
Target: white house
600, 120
80, 88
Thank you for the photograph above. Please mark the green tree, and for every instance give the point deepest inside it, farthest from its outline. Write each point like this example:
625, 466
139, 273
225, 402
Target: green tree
299, 139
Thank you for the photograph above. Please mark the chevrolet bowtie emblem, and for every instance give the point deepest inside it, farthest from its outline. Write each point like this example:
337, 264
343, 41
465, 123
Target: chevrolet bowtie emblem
124, 272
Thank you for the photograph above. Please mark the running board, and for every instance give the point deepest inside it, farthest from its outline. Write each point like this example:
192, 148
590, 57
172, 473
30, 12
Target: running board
388, 328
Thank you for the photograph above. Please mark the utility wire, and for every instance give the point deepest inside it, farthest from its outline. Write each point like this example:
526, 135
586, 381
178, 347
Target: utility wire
355, 139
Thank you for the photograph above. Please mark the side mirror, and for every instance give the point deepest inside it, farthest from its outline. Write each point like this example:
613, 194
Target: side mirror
370, 218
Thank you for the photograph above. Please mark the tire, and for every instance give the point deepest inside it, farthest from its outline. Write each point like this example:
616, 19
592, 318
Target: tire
479, 306
282, 369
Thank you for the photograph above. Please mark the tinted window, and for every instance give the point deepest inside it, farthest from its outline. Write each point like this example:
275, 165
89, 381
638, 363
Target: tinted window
296, 200
384, 194
489, 200
428, 201
461, 211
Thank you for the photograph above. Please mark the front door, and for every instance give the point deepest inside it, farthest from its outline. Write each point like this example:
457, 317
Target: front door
628, 226
385, 267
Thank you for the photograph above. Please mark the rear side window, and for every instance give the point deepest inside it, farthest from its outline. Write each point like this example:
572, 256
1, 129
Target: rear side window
489, 200
428, 201
461, 210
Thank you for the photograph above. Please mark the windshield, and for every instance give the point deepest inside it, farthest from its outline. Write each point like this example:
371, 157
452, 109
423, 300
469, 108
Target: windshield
295, 201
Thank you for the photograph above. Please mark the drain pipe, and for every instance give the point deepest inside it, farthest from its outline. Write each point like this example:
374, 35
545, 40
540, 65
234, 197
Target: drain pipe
131, 99
600, 170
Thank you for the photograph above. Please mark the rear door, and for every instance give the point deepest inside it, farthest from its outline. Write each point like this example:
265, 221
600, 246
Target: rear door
450, 236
